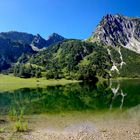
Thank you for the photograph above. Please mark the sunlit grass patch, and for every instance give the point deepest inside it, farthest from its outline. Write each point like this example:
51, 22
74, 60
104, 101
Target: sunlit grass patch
10, 82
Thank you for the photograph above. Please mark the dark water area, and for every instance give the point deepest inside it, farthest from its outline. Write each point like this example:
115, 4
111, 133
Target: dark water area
110, 95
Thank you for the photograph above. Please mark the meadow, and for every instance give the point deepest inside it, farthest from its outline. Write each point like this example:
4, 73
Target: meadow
10, 82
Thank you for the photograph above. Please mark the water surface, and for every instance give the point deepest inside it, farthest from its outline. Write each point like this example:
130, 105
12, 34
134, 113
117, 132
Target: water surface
111, 95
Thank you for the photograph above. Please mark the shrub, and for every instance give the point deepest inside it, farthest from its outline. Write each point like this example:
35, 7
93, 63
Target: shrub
21, 126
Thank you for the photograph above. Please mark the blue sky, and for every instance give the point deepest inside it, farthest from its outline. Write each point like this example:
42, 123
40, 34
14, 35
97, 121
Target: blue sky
70, 18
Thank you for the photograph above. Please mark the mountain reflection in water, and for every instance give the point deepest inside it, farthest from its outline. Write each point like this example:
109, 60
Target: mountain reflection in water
72, 97
117, 92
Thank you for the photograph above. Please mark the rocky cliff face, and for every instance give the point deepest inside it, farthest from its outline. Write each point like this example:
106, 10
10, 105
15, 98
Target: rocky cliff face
118, 30
38, 43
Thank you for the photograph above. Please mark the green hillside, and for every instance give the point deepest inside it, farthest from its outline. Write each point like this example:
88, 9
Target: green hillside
80, 60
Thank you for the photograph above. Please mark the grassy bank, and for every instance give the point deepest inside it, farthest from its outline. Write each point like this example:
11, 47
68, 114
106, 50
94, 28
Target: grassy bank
10, 82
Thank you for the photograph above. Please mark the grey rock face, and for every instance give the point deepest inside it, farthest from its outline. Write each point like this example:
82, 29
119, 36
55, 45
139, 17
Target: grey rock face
39, 42
118, 30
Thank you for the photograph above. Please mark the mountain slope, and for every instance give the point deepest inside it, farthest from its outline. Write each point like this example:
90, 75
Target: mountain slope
125, 63
18, 36
118, 30
10, 51
75, 59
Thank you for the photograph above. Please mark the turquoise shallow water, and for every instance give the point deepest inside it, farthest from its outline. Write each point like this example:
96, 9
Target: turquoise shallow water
111, 95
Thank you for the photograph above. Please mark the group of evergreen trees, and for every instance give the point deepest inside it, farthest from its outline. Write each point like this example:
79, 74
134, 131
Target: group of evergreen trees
26, 71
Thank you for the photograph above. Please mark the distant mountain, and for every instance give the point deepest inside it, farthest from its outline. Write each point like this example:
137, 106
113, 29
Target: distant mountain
10, 51
40, 43
18, 36
14, 44
54, 38
36, 41
118, 30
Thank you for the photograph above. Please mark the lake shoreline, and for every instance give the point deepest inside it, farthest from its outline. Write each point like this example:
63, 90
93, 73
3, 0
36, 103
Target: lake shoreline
105, 111
10, 82
81, 125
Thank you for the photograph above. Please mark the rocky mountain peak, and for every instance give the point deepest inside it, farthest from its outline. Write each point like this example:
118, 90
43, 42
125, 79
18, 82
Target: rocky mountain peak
54, 37
39, 42
118, 30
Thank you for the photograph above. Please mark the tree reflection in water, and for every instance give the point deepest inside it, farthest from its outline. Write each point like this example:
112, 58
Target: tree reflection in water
72, 97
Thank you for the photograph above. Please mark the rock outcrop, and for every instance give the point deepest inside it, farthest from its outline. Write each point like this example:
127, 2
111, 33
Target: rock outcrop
118, 30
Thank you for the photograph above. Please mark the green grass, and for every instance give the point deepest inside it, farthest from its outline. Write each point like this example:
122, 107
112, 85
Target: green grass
10, 82
2, 130
21, 126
